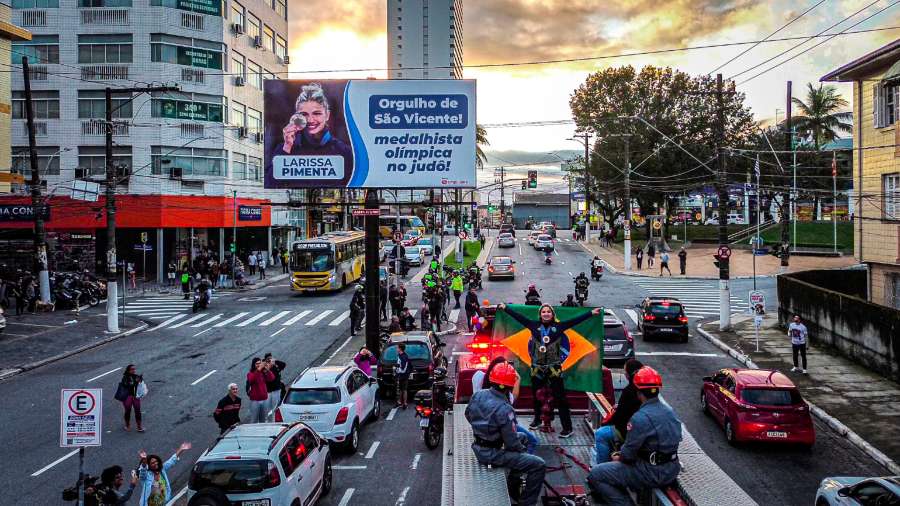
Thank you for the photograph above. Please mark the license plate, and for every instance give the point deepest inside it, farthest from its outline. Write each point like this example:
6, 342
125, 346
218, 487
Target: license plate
665, 329
776, 434
308, 418
423, 422
612, 347
258, 502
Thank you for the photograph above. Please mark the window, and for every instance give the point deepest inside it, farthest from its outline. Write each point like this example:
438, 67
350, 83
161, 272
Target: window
231, 476
40, 49
238, 166
254, 169
254, 26
111, 48
35, 4
44, 103
237, 65
254, 120
48, 160
891, 190
237, 14
313, 396
269, 39
280, 47
351, 384
188, 106
104, 3
886, 97
770, 396
281, 8
186, 51
92, 104
415, 350
254, 75
191, 161
359, 378
238, 114
93, 158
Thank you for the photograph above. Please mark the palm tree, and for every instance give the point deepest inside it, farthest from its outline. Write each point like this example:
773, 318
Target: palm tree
480, 140
821, 114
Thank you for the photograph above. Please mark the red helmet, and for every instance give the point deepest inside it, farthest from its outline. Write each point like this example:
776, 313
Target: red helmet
504, 374
647, 378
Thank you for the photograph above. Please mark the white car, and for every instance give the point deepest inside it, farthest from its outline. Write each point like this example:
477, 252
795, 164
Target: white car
532, 236
506, 240
263, 464
426, 245
414, 255
335, 401
543, 243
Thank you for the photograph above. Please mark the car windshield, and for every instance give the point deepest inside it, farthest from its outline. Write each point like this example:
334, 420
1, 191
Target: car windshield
231, 476
425, 241
614, 332
544, 238
414, 350
412, 250
312, 396
415, 221
500, 261
312, 260
505, 235
665, 309
770, 396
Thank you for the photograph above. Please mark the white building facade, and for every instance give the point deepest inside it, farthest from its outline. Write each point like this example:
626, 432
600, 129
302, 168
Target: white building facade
425, 39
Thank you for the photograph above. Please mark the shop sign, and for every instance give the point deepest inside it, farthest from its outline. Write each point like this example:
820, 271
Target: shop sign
211, 7
197, 57
195, 111
249, 213
21, 212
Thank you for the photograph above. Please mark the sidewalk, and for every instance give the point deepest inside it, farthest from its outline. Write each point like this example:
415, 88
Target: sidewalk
846, 395
700, 262
151, 288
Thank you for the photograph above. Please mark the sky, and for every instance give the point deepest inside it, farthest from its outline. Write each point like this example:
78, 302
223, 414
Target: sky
328, 35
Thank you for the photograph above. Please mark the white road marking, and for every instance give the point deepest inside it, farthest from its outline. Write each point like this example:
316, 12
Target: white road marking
295, 319
402, 498
345, 500
252, 319
276, 317
322, 316
676, 354
412, 312
335, 352
415, 462
102, 375
189, 320
454, 315
337, 321
160, 317
570, 274
233, 318
391, 414
159, 313
632, 314
207, 321
279, 331
57, 461
556, 252
371, 452
202, 332
351, 468
177, 497
170, 320
201, 378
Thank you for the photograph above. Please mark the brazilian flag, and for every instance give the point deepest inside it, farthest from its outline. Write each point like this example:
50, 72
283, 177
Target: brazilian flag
582, 369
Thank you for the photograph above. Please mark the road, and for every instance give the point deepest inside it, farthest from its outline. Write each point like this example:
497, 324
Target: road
189, 362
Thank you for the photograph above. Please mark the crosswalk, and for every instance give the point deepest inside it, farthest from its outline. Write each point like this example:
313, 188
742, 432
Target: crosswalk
161, 308
275, 319
700, 296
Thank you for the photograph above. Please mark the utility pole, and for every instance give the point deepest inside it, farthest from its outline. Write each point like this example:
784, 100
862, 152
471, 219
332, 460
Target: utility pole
373, 343
234, 238
724, 275
586, 138
112, 292
502, 195
785, 208
37, 206
627, 204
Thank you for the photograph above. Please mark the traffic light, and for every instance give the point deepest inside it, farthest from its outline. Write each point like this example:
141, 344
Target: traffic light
717, 260
532, 179
231, 247
524, 184
491, 208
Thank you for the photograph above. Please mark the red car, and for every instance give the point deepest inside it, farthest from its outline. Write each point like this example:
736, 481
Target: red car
757, 405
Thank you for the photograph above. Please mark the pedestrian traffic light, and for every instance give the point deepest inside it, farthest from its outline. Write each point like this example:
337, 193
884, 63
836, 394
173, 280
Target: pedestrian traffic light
231, 247
717, 260
524, 184
491, 208
532, 179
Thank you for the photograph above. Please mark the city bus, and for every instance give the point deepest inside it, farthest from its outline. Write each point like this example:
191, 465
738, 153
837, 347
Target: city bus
328, 262
387, 225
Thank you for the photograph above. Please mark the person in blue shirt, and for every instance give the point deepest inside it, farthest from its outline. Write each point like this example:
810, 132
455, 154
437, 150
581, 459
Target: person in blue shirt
156, 489
402, 370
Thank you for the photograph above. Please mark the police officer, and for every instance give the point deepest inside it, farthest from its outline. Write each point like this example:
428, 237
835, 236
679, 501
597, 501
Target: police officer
496, 442
649, 455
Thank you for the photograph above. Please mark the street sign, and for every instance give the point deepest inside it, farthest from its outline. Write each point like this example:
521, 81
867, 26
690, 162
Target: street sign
398, 237
143, 247
757, 298
724, 251
657, 225
144, 237
462, 235
366, 212
80, 417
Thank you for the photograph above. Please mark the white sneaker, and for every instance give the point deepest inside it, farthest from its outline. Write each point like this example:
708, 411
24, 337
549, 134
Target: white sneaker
803, 371
795, 369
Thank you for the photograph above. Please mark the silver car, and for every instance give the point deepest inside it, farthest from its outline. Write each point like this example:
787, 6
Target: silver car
414, 255
506, 240
858, 491
543, 243
426, 245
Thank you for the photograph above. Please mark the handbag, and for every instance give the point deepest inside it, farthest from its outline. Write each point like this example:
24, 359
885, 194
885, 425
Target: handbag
121, 392
141, 390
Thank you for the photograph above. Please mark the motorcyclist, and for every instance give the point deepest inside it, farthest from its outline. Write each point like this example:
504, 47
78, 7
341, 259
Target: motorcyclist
407, 321
434, 266
581, 286
570, 301
596, 266
475, 275
532, 296
204, 290
548, 255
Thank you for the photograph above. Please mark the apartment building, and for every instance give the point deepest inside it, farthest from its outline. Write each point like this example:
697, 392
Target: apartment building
425, 39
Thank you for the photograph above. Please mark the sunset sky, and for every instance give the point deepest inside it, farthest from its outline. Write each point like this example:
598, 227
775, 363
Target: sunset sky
328, 35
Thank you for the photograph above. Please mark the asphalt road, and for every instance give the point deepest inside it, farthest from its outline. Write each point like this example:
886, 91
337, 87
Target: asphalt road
188, 364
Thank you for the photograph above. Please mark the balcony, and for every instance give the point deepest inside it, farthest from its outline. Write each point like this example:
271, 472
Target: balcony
192, 21
104, 72
104, 17
29, 18
98, 127
195, 76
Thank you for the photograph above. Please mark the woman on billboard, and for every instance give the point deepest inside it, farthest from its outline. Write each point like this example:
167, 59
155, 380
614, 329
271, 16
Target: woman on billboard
308, 132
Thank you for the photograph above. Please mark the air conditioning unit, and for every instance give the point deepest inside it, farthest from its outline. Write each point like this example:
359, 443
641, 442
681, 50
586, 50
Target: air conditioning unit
286, 60
258, 137
176, 173
237, 28
239, 81
242, 132
257, 41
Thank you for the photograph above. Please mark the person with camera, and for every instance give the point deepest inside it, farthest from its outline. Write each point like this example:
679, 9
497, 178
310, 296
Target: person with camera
257, 378
111, 480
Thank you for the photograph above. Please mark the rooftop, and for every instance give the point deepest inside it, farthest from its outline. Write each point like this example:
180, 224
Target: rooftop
866, 65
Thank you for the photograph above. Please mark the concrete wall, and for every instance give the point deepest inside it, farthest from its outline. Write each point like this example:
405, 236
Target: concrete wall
862, 331
557, 214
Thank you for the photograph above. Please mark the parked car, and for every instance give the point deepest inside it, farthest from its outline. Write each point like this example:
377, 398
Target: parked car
532, 236
508, 228
618, 344
425, 354
506, 240
426, 245
263, 464
544, 243
449, 230
2, 320
663, 316
858, 491
501, 267
335, 401
414, 255
757, 405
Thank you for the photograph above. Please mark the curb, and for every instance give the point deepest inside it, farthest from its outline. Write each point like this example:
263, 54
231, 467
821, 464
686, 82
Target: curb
836, 425
67, 354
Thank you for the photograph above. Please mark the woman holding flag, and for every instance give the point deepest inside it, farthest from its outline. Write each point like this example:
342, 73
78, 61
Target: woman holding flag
548, 348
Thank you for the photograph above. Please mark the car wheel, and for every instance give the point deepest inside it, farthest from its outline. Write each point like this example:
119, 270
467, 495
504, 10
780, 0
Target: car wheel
209, 496
327, 478
729, 433
352, 443
376, 410
684, 338
704, 405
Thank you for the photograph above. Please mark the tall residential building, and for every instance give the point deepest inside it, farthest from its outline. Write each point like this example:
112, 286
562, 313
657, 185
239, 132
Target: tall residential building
8, 33
425, 39
190, 162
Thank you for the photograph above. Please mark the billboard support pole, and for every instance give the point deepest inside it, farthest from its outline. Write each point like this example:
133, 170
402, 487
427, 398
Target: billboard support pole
372, 279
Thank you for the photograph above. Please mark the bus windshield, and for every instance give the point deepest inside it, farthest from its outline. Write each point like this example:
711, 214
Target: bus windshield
312, 260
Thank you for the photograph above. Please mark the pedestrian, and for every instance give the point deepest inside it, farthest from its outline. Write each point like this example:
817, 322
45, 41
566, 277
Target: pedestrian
435, 306
275, 256
186, 284
407, 320
613, 431
383, 298
129, 393
651, 254
456, 284
30, 294
275, 387
257, 378
228, 410
357, 310
364, 359
111, 480
19, 294
401, 372
682, 260
798, 333
156, 489
394, 299
170, 273
285, 260
224, 269
251, 261
472, 307
4, 294
131, 274
664, 262
639, 256
261, 263
214, 277
437, 250
481, 241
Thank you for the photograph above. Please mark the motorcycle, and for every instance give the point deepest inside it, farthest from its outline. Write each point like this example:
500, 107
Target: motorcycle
430, 408
581, 294
475, 277
201, 300
596, 272
548, 258
532, 299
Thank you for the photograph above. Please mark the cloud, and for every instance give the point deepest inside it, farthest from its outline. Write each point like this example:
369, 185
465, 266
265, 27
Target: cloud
307, 18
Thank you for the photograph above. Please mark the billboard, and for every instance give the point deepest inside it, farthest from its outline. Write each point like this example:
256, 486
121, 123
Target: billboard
370, 134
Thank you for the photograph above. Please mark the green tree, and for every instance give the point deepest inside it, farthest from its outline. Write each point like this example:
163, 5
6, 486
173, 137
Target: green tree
481, 140
823, 115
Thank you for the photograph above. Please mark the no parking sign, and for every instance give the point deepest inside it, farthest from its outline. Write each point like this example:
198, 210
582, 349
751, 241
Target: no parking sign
80, 417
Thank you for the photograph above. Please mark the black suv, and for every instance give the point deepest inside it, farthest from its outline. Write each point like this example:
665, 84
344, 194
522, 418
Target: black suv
507, 227
663, 316
425, 354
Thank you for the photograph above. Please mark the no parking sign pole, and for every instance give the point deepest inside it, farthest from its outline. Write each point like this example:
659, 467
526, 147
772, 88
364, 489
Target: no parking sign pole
81, 424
